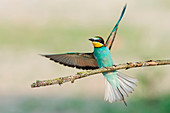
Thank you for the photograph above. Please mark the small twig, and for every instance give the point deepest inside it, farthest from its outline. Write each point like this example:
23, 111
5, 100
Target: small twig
83, 74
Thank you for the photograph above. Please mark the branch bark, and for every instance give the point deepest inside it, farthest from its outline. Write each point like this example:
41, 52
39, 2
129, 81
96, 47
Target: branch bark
83, 74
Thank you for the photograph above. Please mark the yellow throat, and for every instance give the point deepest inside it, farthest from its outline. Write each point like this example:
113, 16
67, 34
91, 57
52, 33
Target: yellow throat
97, 44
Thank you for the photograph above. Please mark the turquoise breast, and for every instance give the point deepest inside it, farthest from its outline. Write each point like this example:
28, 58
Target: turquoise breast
103, 57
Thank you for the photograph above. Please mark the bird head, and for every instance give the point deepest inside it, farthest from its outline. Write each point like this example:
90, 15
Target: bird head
97, 41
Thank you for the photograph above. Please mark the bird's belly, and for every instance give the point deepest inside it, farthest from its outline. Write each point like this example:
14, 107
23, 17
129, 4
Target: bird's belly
104, 62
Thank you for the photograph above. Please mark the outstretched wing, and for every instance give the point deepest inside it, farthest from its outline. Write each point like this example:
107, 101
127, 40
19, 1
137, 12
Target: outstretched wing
112, 35
78, 60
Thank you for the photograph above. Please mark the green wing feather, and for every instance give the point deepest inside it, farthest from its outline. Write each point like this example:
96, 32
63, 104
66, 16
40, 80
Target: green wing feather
112, 35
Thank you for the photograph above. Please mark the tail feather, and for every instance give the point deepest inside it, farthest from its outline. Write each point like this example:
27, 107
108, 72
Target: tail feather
125, 87
120, 96
130, 79
119, 87
123, 91
109, 92
128, 83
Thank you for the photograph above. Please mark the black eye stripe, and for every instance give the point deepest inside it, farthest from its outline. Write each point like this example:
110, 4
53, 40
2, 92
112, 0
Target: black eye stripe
98, 40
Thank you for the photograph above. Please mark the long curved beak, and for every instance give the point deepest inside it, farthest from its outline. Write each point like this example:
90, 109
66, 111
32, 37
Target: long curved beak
91, 39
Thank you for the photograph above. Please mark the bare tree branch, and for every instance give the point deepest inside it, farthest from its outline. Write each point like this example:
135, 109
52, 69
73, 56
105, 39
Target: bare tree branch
83, 74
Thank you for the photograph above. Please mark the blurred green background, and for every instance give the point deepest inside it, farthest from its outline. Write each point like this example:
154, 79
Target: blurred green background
31, 27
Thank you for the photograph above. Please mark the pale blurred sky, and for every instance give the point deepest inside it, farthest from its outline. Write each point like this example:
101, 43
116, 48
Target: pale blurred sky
152, 12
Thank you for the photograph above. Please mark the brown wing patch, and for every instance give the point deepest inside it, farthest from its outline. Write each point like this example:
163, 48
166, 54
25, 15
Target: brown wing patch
78, 60
110, 40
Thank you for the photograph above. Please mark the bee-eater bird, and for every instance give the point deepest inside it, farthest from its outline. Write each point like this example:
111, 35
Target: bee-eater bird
117, 85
